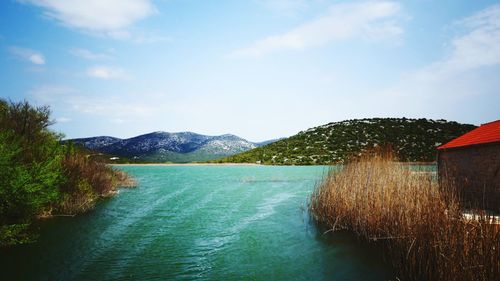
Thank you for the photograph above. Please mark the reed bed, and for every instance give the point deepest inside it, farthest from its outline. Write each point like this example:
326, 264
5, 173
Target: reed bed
418, 223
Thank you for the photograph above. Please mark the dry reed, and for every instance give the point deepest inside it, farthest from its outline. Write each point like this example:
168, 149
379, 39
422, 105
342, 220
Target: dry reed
418, 223
87, 181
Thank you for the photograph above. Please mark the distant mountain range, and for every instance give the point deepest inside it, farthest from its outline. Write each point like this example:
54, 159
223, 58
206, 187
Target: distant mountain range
170, 147
411, 139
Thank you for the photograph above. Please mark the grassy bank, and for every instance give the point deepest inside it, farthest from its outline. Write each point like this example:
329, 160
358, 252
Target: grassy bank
419, 224
40, 176
86, 181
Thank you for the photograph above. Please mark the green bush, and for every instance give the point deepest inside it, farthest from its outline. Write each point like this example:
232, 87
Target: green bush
39, 175
30, 168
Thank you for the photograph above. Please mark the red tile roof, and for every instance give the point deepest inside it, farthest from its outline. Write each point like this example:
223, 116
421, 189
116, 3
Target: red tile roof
486, 133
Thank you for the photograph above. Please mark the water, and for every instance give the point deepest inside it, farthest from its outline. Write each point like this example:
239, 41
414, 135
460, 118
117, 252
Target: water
197, 223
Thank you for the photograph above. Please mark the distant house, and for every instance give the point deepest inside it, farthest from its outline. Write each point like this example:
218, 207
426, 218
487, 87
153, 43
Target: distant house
472, 163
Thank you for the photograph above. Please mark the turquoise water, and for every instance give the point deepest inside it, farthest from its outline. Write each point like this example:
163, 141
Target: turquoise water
197, 223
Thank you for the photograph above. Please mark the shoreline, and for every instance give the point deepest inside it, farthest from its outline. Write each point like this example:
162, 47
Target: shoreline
244, 164
187, 164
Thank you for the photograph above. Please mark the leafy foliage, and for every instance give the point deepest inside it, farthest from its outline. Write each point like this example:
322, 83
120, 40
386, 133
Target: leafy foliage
39, 175
30, 166
411, 139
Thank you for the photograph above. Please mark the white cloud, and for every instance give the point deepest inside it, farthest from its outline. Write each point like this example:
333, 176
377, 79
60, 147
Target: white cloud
28, 55
108, 17
67, 101
47, 94
464, 81
63, 120
374, 20
478, 47
106, 72
111, 107
37, 58
117, 120
89, 55
284, 6
151, 38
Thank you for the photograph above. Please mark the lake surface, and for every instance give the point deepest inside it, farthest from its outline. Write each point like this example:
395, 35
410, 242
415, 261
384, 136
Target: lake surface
198, 223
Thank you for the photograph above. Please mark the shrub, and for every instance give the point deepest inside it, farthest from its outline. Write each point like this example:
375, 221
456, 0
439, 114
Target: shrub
40, 176
28, 184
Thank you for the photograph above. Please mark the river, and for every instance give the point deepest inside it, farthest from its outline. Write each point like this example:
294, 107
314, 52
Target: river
198, 223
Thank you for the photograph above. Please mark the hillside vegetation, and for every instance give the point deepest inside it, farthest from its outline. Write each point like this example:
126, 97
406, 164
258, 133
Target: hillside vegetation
41, 177
411, 139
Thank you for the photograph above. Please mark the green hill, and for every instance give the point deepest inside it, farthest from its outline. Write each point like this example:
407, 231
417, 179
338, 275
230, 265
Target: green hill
411, 139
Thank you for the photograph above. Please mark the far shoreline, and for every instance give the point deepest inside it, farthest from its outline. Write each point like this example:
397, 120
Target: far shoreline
188, 164
246, 164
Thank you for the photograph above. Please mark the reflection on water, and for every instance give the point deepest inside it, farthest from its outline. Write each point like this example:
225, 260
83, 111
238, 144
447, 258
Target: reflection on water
198, 222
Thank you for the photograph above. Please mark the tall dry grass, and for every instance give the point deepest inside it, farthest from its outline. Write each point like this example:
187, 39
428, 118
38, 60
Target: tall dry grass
86, 181
418, 223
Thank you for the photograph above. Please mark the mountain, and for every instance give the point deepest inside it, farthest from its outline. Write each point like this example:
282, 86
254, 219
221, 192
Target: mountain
169, 147
259, 144
96, 142
411, 139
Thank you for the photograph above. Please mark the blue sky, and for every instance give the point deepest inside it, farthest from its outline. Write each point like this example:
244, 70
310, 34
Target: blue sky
260, 69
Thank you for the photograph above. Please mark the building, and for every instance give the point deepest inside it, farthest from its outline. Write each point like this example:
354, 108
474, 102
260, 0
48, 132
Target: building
472, 163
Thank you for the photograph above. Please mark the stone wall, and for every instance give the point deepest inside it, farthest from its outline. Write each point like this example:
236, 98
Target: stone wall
475, 172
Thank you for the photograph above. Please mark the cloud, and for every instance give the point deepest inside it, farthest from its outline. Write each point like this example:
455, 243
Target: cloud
286, 7
67, 101
28, 55
478, 47
107, 72
464, 82
37, 58
47, 94
151, 38
111, 107
110, 17
63, 119
374, 20
89, 55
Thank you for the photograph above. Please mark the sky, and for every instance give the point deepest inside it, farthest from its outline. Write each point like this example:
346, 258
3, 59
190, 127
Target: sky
259, 69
